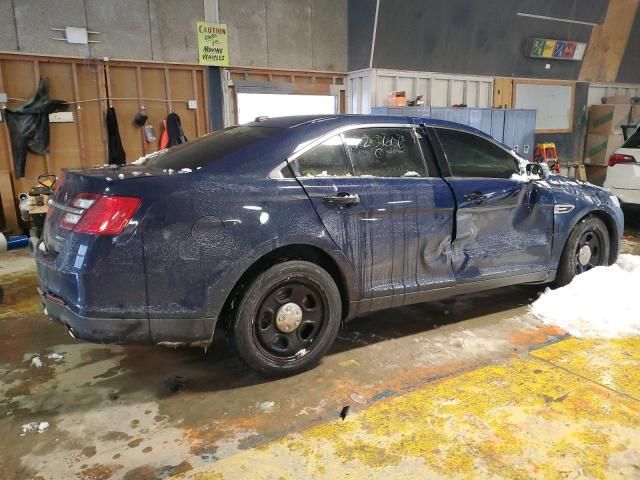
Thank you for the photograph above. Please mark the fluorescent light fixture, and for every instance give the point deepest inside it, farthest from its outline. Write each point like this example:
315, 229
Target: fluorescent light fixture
556, 19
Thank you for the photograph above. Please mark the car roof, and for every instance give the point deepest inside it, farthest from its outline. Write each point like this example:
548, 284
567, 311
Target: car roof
304, 121
295, 131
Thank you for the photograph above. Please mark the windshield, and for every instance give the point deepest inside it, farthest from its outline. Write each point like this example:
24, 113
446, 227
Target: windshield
633, 141
208, 149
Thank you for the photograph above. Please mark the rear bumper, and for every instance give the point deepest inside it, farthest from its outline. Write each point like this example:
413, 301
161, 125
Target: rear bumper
98, 330
627, 196
166, 331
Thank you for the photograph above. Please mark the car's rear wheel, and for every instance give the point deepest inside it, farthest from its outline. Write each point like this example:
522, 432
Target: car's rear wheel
587, 248
288, 318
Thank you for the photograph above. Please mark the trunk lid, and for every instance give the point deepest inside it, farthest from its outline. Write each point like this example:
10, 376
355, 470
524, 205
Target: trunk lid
73, 182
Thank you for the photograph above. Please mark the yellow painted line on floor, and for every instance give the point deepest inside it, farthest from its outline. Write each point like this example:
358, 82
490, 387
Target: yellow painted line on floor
594, 359
524, 419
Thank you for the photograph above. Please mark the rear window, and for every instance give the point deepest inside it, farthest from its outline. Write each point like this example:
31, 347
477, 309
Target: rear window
209, 148
633, 141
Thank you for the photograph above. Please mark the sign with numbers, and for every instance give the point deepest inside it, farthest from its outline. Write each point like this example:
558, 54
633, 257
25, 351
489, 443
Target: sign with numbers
555, 49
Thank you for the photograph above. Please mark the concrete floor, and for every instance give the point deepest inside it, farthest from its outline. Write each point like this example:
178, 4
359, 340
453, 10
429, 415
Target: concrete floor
548, 415
454, 388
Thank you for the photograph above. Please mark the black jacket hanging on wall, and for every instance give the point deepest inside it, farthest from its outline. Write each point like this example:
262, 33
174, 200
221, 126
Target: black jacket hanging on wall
117, 155
29, 125
174, 125
172, 134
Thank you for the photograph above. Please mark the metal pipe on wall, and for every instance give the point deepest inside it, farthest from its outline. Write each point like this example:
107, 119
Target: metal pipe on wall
216, 95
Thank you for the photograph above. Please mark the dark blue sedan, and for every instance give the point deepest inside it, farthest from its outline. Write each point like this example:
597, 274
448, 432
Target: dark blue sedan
284, 228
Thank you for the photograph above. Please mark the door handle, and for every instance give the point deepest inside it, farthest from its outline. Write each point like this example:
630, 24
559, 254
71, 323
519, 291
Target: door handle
341, 199
475, 197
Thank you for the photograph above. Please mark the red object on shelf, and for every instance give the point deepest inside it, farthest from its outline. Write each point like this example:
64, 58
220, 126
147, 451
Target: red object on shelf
547, 153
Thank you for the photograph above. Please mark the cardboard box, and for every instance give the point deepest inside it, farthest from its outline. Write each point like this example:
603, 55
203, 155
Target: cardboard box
596, 174
606, 119
617, 99
600, 147
397, 99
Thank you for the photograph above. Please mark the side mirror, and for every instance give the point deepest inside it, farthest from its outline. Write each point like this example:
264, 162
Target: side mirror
540, 170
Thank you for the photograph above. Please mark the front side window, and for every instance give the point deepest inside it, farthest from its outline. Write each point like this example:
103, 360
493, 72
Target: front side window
325, 160
384, 152
472, 156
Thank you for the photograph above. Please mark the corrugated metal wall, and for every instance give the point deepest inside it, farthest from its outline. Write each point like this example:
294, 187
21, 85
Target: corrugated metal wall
599, 90
369, 88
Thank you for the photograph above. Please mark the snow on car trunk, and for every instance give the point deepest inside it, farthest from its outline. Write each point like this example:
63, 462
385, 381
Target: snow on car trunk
601, 303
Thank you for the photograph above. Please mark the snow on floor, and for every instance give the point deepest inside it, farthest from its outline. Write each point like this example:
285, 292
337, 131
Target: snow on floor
601, 303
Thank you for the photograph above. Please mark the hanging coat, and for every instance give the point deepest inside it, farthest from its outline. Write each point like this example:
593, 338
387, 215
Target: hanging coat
29, 125
117, 155
172, 133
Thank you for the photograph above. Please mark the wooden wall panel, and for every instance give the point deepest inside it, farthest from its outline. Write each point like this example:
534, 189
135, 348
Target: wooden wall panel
7, 196
123, 85
90, 114
131, 86
503, 92
20, 84
154, 87
181, 83
608, 42
5, 151
19, 81
64, 144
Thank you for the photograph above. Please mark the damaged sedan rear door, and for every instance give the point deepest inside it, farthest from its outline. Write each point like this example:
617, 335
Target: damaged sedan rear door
375, 196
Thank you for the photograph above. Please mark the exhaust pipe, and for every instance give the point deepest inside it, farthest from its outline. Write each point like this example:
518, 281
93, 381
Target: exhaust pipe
70, 332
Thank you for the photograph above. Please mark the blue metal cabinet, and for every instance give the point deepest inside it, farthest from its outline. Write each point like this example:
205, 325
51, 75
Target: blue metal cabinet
519, 131
497, 124
513, 127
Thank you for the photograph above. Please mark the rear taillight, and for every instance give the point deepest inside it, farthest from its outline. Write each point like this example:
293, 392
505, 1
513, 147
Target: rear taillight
617, 158
100, 214
80, 204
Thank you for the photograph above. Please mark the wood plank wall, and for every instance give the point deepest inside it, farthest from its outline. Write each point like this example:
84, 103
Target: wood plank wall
503, 92
159, 88
608, 42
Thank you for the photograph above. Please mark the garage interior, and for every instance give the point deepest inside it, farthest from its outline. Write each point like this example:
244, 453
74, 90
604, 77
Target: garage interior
476, 386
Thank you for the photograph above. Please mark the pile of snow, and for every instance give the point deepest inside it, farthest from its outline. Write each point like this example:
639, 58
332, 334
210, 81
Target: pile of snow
601, 303
266, 407
524, 177
38, 427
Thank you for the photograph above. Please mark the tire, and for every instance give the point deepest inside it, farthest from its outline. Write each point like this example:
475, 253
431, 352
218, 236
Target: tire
288, 318
593, 233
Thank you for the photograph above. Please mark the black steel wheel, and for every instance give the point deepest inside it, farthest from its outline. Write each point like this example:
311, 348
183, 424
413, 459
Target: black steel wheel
587, 247
588, 252
288, 318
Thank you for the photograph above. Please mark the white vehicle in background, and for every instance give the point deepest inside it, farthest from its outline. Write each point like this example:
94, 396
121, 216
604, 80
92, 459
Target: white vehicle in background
623, 172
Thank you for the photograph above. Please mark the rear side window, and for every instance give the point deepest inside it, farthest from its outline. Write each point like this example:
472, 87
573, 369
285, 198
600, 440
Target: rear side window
472, 156
384, 152
325, 160
209, 148
633, 141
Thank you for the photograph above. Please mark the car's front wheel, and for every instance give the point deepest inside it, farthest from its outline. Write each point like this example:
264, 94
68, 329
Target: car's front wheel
288, 318
587, 247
